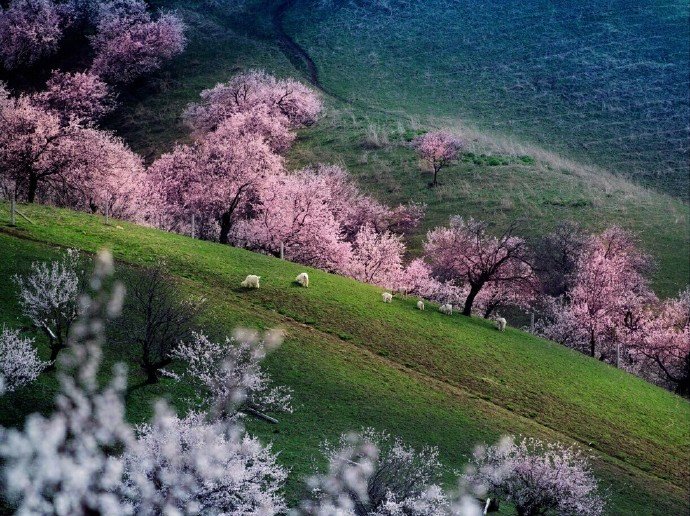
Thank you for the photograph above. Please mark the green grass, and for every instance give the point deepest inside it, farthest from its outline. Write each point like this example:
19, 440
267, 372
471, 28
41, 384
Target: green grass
354, 361
601, 82
501, 180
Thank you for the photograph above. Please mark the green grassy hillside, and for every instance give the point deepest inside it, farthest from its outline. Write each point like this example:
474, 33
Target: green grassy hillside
367, 129
354, 361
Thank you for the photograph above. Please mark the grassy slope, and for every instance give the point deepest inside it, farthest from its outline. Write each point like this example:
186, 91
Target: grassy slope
603, 82
542, 190
354, 361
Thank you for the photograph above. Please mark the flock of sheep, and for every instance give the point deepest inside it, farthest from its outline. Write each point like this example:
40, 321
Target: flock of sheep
252, 281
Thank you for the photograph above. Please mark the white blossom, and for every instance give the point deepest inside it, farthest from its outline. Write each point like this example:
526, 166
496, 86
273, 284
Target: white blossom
48, 296
537, 477
191, 466
19, 362
336, 492
65, 464
232, 375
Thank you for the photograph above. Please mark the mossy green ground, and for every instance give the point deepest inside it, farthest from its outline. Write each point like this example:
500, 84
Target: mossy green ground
354, 361
500, 180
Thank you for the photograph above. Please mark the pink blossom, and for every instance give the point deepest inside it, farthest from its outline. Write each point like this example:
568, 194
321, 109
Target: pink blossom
607, 298
661, 346
284, 100
29, 30
295, 211
438, 149
465, 255
79, 95
537, 477
128, 43
65, 163
217, 179
376, 258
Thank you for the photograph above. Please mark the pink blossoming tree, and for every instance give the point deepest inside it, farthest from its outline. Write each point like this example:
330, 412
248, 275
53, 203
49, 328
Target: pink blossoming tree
44, 157
376, 258
438, 149
538, 477
129, 43
216, 179
607, 300
29, 31
295, 212
81, 95
284, 100
662, 346
464, 254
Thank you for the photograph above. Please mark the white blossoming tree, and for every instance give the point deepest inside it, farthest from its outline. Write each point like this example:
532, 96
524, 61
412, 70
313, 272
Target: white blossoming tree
538, 477
86, 459
362, 480
48, 296
64, 463
231, 374
402, 476
200, 467
19, 362
337, 491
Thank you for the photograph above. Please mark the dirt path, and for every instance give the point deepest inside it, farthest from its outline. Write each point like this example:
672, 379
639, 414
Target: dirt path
297, 55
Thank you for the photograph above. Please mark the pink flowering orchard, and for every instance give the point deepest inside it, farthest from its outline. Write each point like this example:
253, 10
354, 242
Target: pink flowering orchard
45, 156
127, 41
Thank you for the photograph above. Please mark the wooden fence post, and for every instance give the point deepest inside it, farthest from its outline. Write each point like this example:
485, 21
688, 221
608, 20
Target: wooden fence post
13, 209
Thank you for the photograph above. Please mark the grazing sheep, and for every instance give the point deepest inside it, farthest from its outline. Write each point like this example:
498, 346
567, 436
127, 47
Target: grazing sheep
387, 297
251, 281
420, 304
501, 324
303, 279
446, 309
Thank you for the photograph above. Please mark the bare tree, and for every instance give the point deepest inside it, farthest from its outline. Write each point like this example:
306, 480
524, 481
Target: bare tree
555, 257
158, 318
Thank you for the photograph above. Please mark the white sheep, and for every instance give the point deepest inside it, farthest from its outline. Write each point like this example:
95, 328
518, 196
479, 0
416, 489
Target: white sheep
303, 279
251, 281
446, 309
501, 324
420, 304
387, 297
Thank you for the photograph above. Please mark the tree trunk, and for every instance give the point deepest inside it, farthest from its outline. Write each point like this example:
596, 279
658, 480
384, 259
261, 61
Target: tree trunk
592, 343
151, 375
33, 186
55, 348
225, 226
474, 290
435, 182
